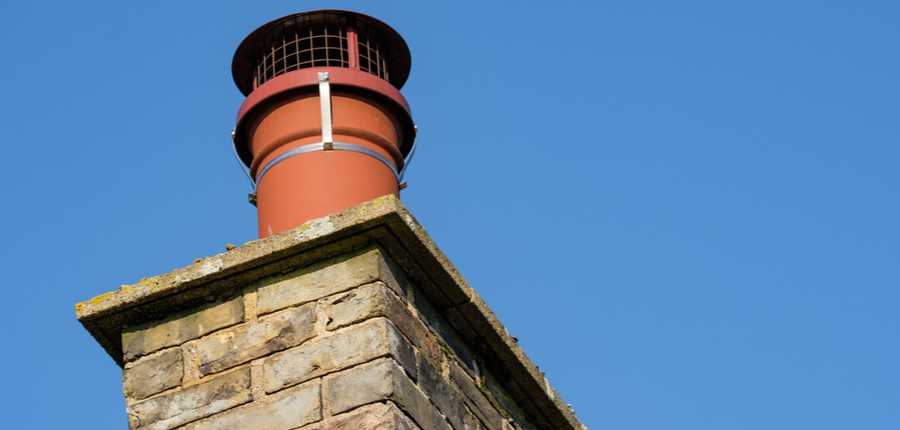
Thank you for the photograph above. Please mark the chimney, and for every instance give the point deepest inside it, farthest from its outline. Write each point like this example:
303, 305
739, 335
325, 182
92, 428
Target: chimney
349, 317
324, 126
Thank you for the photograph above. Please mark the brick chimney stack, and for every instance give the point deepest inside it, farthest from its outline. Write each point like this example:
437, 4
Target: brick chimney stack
351, 319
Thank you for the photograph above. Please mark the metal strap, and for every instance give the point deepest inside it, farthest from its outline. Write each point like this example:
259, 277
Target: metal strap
241, 163
325, 107
412, 152
320, 146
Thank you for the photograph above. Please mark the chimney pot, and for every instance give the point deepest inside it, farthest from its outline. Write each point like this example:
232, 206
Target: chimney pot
324, 126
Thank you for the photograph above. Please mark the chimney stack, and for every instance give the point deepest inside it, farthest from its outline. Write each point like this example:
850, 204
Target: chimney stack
357, 320
324, 126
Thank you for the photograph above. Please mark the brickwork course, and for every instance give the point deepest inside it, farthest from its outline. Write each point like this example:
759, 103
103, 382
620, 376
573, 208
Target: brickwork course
355, 320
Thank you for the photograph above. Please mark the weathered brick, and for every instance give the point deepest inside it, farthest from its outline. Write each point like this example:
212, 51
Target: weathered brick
439, 392
507, 403
475, 398
378, 416
329, 277
346, 348
356, 305
153, 375
295, 408
379, 381
376, 300
264, 336
173, 409
446, 333
180, 327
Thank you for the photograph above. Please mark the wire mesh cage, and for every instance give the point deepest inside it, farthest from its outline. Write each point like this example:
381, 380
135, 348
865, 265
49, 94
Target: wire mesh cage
318, 39
371, 58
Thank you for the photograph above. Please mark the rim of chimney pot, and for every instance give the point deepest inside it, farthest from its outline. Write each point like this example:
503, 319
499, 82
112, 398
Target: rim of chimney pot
243, 64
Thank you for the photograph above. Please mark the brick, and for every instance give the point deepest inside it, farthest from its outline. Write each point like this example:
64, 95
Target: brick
173, 409
357, 305
275, 332
439, 392
349, 347
379, 381
378, 416
329, 277
376, 300
153, 375
507, 403
447, 334
475, 398
180, 327
297, 407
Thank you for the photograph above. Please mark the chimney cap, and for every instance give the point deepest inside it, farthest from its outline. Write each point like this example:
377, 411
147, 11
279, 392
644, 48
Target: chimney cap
398, 57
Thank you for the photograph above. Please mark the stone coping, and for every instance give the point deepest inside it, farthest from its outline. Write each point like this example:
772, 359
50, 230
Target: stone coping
383, 221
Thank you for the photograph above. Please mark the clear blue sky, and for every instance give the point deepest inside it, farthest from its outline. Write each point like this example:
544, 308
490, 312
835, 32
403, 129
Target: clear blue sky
687, 212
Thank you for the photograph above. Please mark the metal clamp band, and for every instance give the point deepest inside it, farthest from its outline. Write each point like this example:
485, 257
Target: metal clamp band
321, 146
241, 163
412, 152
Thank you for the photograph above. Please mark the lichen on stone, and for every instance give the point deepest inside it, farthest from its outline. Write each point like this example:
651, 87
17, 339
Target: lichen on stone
375, 203
79, 307
179, 279
150, 283
99, 299
212, 265
314, 228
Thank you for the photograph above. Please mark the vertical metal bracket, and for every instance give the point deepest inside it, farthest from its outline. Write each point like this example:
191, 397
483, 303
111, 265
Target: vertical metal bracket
325, 106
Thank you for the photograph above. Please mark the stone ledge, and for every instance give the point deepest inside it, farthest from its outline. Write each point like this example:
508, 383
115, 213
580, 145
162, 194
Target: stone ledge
384, 222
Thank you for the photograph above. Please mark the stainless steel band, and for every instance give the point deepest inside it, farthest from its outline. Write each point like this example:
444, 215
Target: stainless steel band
324, 146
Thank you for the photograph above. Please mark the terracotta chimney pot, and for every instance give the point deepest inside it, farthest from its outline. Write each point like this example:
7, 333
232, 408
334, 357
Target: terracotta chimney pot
324, 126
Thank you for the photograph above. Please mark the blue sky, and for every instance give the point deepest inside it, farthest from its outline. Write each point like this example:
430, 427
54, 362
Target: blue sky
687, 212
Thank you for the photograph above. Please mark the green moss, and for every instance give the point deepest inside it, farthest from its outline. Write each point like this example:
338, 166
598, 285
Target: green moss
490, 398
482, 385
445, 349
436, 367
483, 389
